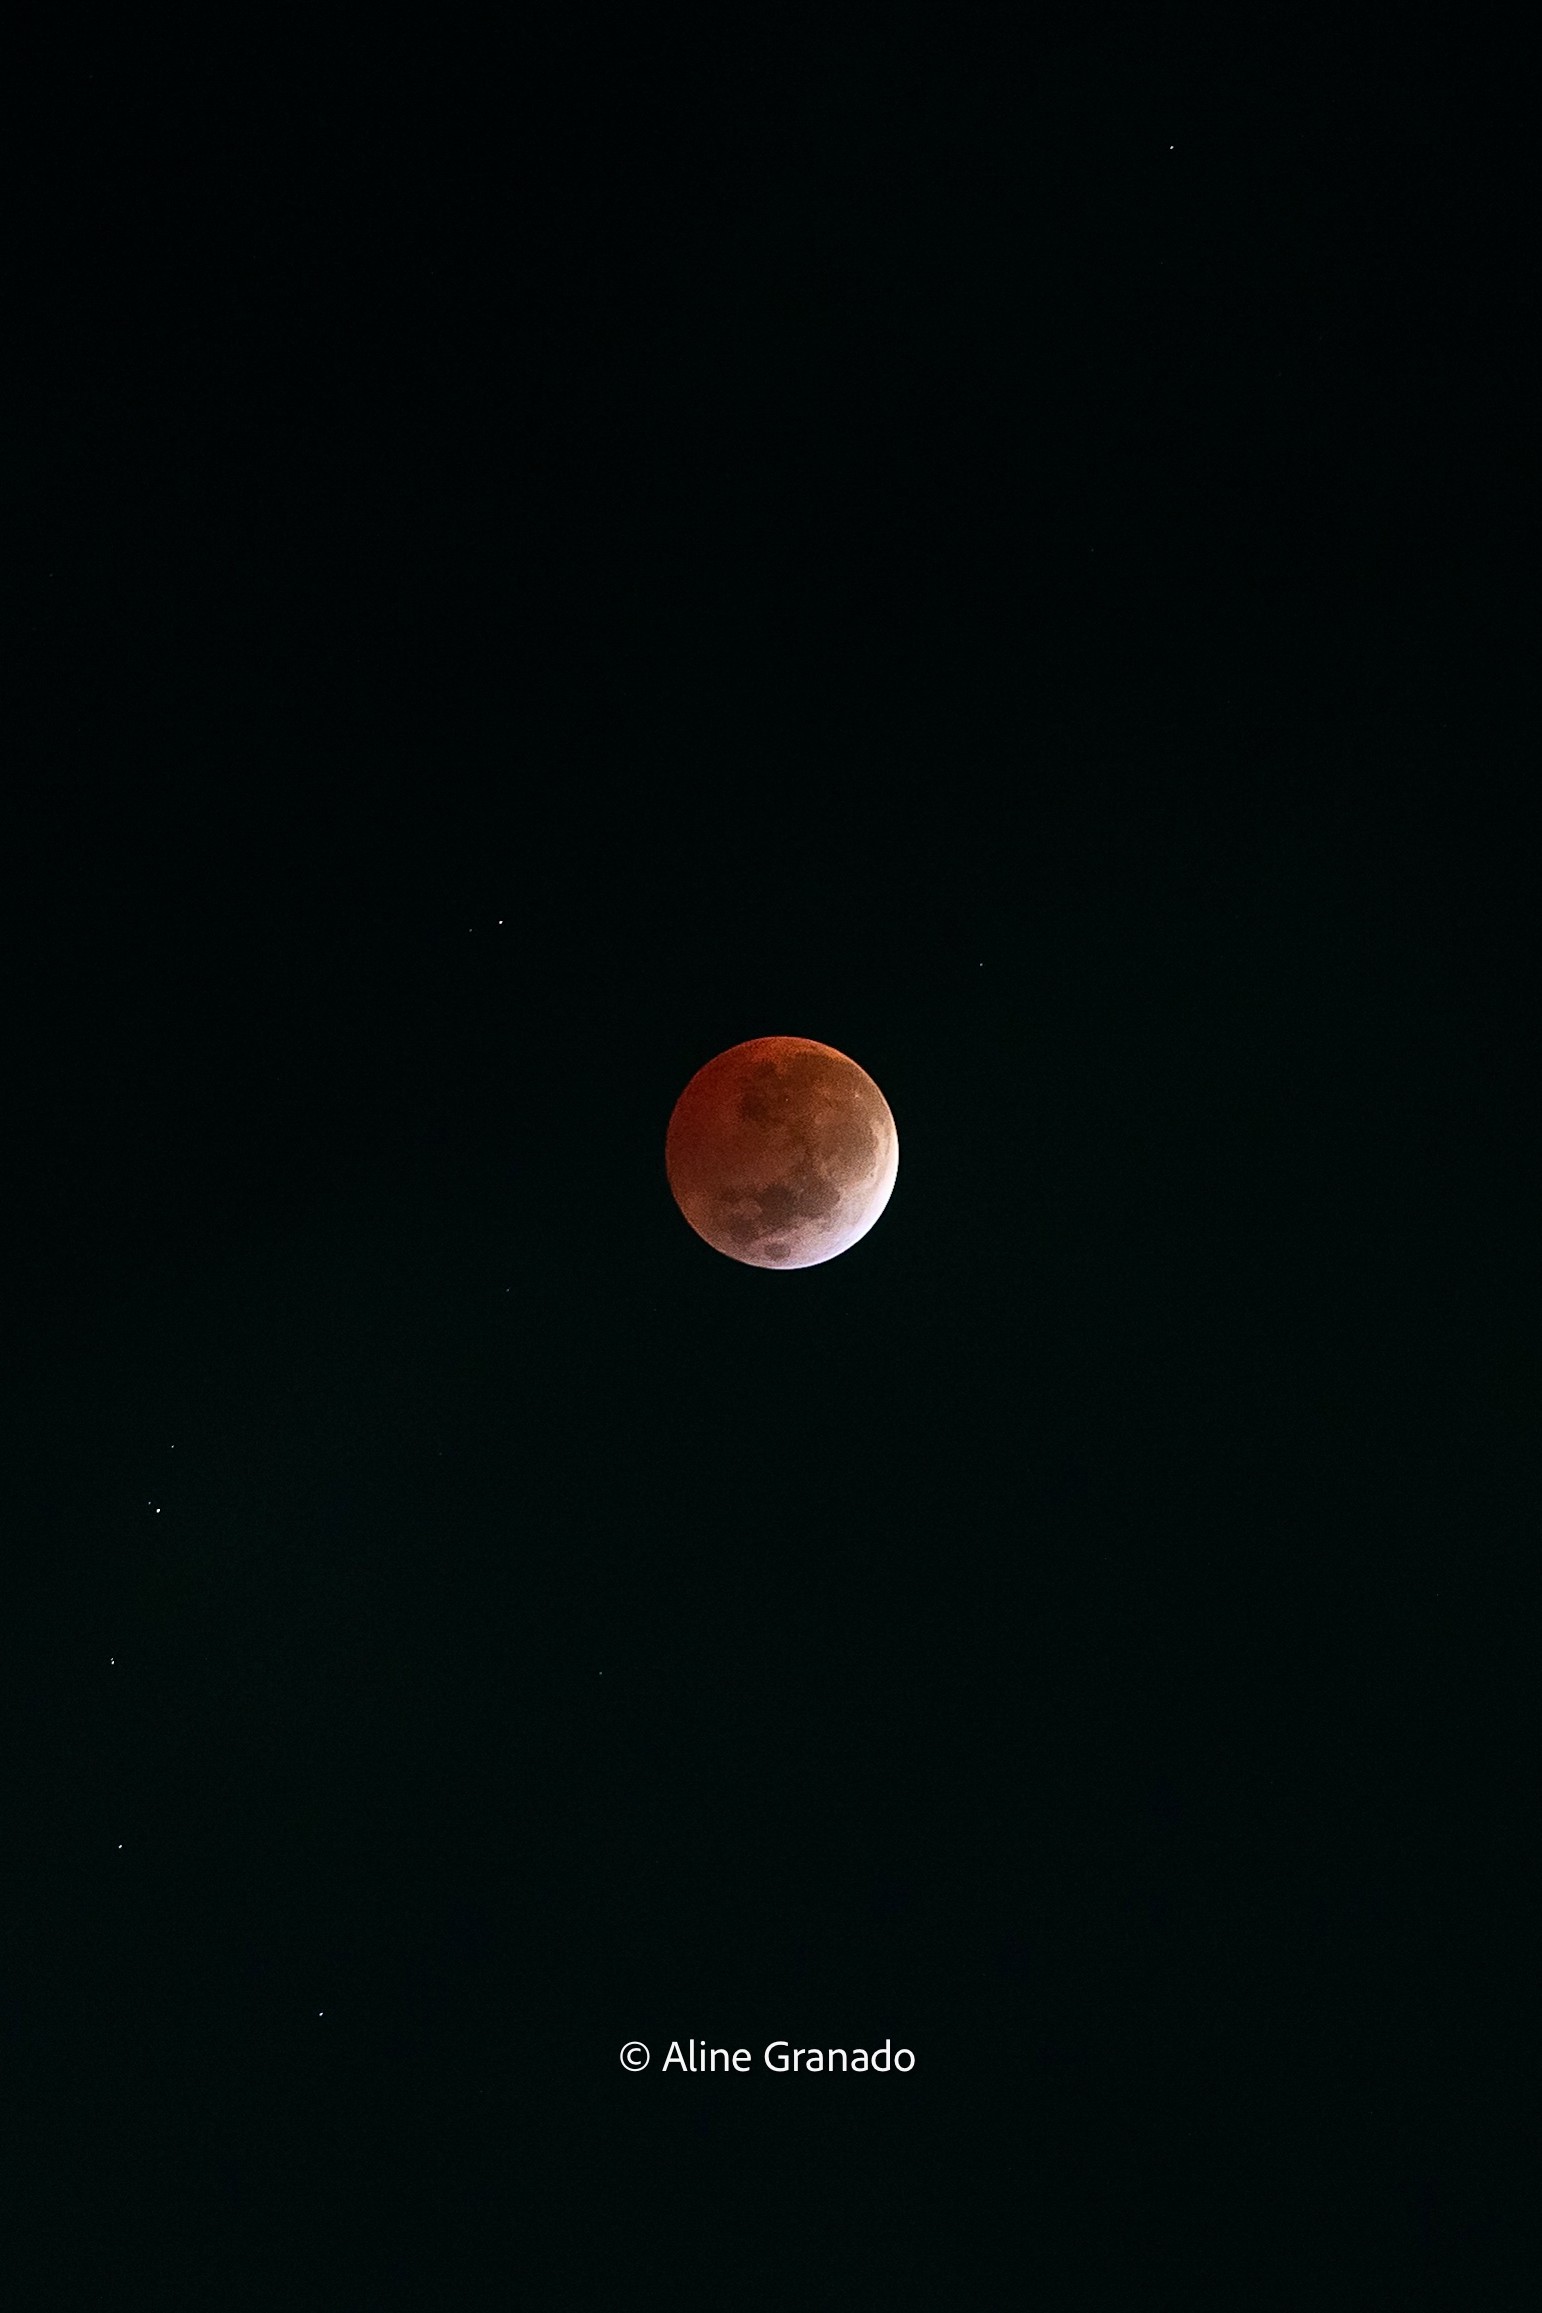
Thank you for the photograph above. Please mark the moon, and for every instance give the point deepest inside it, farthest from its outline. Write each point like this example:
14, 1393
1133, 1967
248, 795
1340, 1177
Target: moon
781, 1153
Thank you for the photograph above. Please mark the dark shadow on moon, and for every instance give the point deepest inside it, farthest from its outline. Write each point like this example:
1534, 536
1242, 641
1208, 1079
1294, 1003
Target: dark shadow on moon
807, 1194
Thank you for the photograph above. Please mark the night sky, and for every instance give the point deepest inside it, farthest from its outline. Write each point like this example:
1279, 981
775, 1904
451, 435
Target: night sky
536, 554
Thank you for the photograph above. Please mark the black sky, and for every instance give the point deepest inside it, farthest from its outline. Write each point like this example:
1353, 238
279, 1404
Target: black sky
538, 554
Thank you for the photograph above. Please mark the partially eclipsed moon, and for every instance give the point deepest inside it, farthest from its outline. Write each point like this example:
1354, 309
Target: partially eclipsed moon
781, 1153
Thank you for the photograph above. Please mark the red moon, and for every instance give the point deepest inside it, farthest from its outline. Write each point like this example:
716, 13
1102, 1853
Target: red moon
781, 1153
